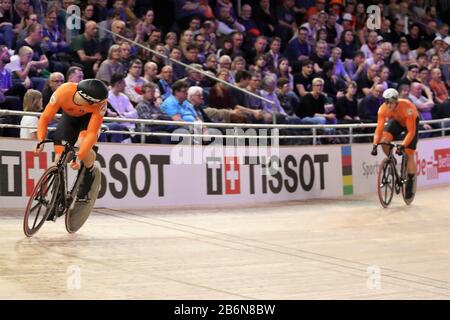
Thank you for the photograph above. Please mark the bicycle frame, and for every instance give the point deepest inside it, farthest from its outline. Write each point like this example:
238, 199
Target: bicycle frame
400, 178
67, 198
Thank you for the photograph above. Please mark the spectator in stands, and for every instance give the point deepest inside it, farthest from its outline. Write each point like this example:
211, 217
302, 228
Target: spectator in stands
151, 72
424, 76
165, 82
312, 106
21, 67
429, 34
395, 70
238, 64
377, 58
24, 25
403, 55
265, 18
403, 91
287, 101
398, 32
226, 23
273, 55
259, 48
348, 45
424, 104
254, 86
347, 106
384, 78
32, 102
245, 19
298, 49
148, 109
6, 23
371, 45
134, 81
411, 75
368, 81
170, 41
119, 106
414, 37
237, 39
111, 65
55, 80
275, 109
286, 19
117, 27
159, 59
184, 10
355, 68
369, 105
75, 74
21, 9
339, 70
219, 95
319, 57
125, 54
86, 50
33, 40
178, 70
191, 54
10, 95
438, 86
334, 30
176, 106
211, 63
312, 28
260, 65
194, 77
186, 38
283, 70
303, 80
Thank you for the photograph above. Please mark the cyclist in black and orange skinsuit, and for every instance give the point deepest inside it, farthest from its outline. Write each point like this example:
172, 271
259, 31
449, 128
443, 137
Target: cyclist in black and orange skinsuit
83, 106
401, 115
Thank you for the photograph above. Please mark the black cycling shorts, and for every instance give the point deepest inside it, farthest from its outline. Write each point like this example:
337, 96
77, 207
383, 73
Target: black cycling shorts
69, 128
395, 128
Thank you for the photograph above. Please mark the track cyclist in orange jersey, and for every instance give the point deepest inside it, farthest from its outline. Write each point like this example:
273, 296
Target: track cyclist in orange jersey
400, 115
83, 106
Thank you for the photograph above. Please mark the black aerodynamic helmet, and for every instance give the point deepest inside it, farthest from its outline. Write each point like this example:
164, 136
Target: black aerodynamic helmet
92, 90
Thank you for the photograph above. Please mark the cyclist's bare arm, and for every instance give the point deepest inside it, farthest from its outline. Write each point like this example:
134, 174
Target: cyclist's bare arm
380, 126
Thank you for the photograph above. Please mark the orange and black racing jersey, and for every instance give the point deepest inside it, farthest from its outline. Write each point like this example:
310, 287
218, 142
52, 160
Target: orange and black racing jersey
63, 98
405, 114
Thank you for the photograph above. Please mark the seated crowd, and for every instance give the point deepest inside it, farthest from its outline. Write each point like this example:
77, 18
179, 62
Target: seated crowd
316, 61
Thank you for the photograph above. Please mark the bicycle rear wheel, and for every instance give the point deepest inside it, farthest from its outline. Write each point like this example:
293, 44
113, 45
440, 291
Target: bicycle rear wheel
386, 182
41, 201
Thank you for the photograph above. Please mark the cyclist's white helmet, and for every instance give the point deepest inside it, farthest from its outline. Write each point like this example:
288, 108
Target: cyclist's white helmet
389, 94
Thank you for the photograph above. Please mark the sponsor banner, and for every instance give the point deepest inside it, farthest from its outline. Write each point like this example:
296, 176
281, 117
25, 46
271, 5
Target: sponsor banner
432, 157
135, 175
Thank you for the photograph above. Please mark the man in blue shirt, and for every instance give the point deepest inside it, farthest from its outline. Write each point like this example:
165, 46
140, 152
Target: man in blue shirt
176, 106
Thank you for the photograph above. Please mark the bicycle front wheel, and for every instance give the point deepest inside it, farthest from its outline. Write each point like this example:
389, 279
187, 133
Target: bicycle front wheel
41, 201
386, 182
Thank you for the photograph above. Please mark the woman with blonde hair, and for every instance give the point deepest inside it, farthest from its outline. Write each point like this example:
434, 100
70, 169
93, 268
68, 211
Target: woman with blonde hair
238, 64
111, 65
32, 101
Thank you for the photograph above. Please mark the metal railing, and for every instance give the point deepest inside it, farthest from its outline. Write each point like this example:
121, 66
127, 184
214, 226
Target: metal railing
232, 129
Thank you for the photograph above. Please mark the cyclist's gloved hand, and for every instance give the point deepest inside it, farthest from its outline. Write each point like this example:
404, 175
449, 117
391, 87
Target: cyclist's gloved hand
374, 150
400, 150
37, 150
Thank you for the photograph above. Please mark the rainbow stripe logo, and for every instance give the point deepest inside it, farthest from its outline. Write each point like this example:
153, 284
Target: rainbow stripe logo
347, 176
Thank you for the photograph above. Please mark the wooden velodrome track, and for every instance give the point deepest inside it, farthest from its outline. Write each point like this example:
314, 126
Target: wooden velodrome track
348, 248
